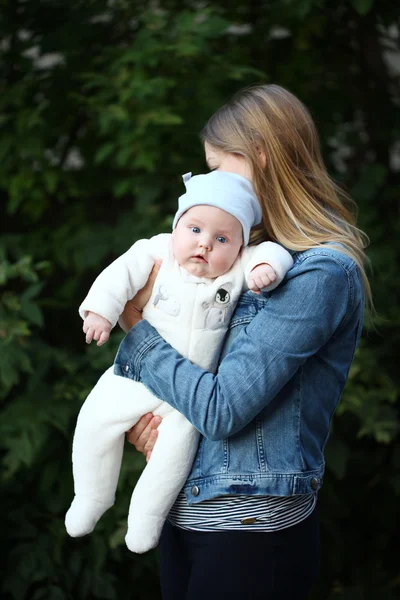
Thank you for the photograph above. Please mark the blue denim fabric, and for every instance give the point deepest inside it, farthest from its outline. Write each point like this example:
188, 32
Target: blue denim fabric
265, 416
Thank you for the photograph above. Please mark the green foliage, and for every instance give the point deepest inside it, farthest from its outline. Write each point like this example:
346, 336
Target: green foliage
101, 105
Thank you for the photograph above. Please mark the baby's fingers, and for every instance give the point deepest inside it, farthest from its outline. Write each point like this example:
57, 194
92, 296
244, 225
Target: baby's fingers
89, 334
253, 286
272, 277
270, 273
265, 281
103, 338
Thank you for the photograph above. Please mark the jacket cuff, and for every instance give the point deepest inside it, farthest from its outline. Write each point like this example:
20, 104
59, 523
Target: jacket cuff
137, 342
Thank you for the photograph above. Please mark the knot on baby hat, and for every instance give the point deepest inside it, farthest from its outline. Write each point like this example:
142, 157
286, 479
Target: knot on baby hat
228, 191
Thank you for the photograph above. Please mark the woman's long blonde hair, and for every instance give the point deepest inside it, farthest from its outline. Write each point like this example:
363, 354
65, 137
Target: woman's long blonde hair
302, 207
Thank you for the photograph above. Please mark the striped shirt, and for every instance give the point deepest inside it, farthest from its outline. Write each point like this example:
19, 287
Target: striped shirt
246, 513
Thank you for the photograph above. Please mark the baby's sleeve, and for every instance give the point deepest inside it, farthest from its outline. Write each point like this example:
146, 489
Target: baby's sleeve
267, 252
123, 278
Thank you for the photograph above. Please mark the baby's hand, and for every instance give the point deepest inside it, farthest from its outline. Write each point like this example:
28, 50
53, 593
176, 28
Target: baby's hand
96, 328
261, 277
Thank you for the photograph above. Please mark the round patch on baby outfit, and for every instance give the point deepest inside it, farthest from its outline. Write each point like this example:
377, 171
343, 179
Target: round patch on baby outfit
222, 296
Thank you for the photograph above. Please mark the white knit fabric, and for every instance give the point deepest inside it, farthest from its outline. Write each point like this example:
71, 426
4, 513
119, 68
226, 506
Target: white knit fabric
190, 313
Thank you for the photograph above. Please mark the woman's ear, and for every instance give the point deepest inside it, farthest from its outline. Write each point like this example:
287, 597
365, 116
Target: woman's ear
262, 156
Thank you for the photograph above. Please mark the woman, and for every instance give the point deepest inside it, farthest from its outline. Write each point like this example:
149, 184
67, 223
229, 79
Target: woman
245, 525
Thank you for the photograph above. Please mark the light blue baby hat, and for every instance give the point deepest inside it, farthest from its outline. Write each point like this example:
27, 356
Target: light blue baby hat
228, 191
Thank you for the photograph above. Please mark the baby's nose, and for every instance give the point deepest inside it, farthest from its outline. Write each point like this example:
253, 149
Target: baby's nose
206, 242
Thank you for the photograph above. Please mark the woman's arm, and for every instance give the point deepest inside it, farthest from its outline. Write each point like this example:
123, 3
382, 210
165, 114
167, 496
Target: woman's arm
298, 319
132, 312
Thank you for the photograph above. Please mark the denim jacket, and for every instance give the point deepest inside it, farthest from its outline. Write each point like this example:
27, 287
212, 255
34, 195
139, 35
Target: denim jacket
265, 415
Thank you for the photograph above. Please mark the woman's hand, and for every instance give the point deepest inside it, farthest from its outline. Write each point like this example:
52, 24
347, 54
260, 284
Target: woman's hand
144, 434
133, 309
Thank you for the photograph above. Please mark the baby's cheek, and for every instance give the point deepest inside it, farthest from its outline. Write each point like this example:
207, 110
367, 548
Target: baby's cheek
176, 247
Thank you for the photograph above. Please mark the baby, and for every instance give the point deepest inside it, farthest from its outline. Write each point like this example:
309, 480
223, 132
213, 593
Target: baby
206, 265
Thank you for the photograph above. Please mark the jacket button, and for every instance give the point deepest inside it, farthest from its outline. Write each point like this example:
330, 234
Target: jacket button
314, 483
195, 490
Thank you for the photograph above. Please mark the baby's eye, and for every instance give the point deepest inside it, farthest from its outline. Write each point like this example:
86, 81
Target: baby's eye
222, 239
195, 229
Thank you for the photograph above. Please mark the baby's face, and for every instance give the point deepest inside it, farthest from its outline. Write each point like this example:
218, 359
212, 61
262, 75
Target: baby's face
207, 241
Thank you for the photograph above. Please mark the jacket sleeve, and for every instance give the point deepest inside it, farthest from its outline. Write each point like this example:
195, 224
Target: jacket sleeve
123, 278
267, 252
297, 320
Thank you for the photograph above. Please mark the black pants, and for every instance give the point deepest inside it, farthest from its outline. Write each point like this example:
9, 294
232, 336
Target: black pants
240, 565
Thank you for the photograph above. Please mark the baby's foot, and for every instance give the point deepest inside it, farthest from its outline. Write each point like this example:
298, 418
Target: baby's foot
83, 515
144, 533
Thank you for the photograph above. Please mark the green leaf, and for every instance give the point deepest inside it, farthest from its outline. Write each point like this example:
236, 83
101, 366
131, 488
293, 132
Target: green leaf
104, 152
32, 291
362, 6
32, 312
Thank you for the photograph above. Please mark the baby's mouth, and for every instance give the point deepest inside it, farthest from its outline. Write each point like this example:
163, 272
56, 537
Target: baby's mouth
199, 257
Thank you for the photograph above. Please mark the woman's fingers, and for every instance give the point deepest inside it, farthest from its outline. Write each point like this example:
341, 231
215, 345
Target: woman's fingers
133, 435
132, 312
148, 448
144, 295
144, 434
